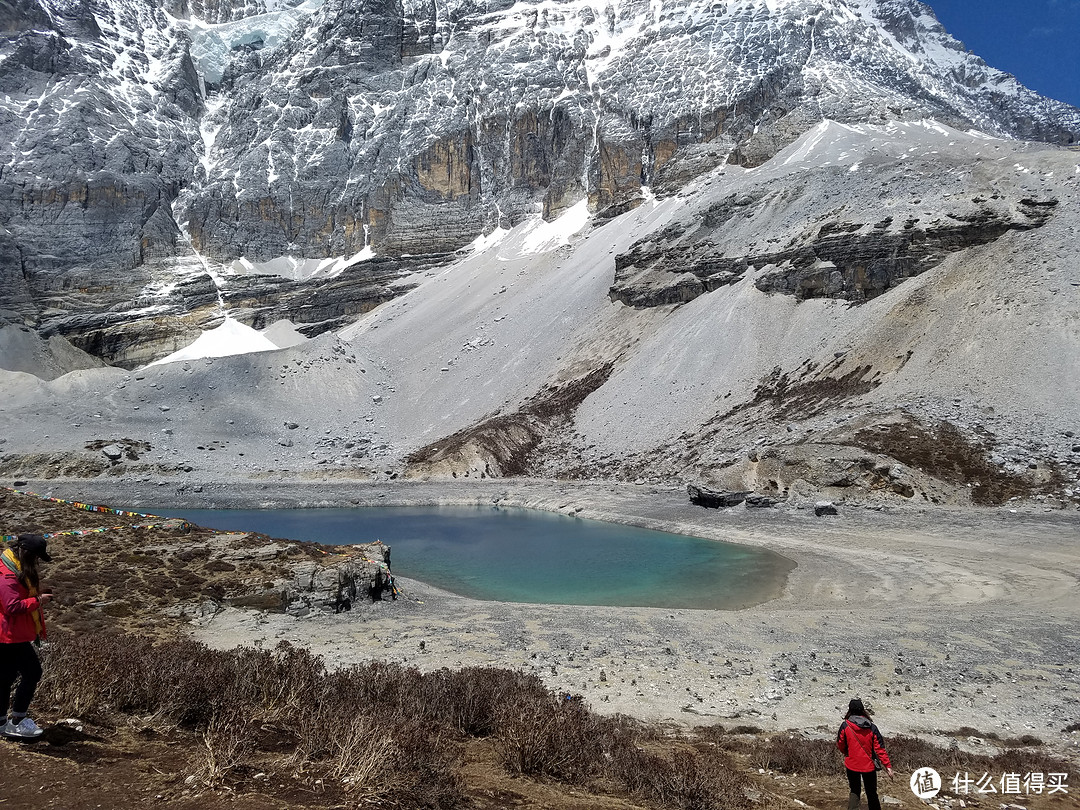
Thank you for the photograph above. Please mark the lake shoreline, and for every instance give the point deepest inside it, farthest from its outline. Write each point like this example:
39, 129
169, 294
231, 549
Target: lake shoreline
940, 618
496, 552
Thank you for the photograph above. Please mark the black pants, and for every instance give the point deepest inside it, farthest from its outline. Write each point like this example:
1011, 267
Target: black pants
869, 779
18, 661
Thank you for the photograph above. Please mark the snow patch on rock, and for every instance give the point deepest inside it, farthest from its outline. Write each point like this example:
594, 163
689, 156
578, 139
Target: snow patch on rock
232, 337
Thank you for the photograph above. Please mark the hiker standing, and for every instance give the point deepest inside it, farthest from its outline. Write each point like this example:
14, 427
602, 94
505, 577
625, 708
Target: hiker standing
21, 627
864, 754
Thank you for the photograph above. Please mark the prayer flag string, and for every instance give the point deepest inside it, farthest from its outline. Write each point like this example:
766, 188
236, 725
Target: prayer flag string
173, 523
166, 523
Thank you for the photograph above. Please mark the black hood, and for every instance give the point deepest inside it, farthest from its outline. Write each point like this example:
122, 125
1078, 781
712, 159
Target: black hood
860, 721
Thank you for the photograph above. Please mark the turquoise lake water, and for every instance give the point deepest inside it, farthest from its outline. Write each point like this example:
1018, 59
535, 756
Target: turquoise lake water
524, 555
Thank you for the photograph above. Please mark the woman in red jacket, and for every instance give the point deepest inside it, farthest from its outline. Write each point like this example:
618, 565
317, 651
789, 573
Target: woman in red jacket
861, 743
21, 626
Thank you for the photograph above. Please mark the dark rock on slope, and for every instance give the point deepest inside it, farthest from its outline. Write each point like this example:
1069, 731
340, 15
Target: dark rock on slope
844, 259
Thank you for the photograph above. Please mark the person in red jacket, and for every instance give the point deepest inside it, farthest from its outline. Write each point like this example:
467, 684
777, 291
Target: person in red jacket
861, 743
21, 626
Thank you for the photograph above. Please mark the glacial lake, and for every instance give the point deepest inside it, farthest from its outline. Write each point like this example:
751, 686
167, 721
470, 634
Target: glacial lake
525, 555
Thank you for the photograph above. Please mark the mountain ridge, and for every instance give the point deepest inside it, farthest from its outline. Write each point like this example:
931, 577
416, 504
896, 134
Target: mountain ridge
513, 359
405, 130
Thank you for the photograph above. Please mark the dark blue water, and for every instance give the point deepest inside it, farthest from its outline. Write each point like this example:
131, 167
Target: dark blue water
524, 555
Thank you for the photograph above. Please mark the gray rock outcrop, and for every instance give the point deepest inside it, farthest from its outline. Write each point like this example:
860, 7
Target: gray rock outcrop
830, 257
360, 571
714, 499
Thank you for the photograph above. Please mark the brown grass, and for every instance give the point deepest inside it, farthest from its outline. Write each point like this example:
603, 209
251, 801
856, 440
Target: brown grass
378, 733
125, 576
941, 450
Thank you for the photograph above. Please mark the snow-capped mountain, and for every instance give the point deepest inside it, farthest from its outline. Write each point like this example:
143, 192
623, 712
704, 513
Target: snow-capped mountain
164, 164
415, 127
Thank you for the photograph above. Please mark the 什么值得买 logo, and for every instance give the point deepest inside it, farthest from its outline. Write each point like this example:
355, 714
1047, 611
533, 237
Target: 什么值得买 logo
926, 783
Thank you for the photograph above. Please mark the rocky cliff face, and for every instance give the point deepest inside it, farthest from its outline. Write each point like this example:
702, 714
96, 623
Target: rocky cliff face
98, 123
161, 162
414, 131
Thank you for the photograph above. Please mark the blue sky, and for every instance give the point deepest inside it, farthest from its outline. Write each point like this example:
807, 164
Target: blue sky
1038, 41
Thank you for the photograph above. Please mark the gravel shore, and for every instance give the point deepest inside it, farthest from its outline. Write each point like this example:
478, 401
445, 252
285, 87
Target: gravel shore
940, 619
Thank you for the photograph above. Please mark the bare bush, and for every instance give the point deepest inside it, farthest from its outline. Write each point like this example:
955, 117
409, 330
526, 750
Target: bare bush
475, 700
1017, 760
554, 737
284, 680
685, 779
795, 754
361, 752
909, 753
353, 726
227, 744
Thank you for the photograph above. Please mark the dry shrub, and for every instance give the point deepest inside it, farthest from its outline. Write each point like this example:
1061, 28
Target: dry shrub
558, 738
909, 753
227, 744
745, 730
381, 734
354, 726
727, 740
361, 750
178, 682
281, 681
793, 753
1022, 740
687, 779
638, 770
1018, 760
369, 726
395, 689
714, 734
474, 700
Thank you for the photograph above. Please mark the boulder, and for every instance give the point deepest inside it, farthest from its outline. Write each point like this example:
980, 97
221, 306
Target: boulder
714, 499
822, 508
361, 570
756, 501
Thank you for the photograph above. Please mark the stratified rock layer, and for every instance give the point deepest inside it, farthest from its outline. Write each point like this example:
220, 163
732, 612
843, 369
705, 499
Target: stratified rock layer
834, 257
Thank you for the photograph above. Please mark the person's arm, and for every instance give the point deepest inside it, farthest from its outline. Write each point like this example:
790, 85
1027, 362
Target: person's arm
879, 749
12, 602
